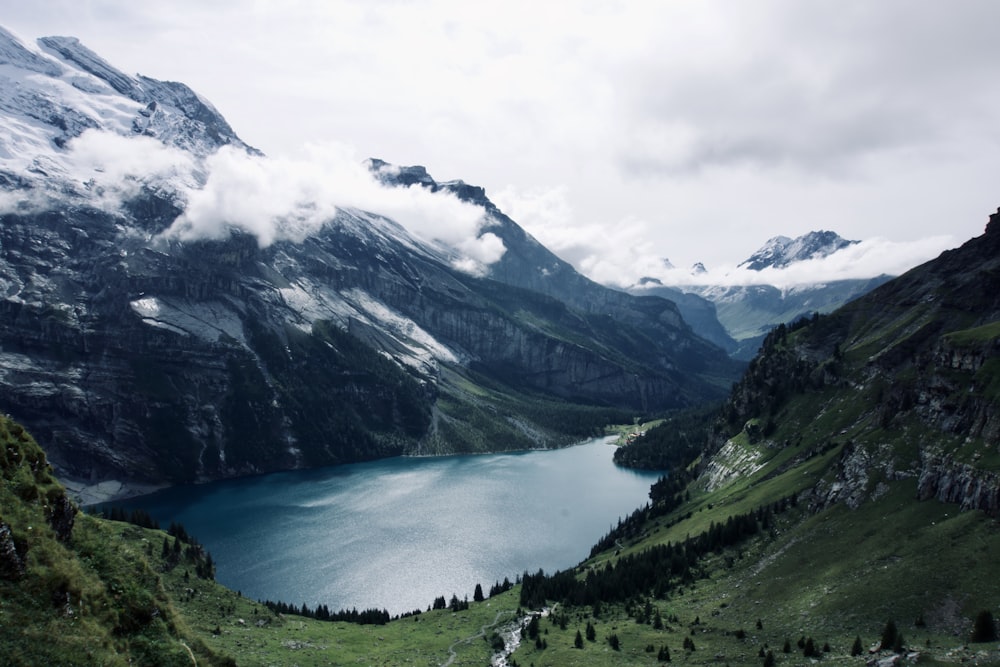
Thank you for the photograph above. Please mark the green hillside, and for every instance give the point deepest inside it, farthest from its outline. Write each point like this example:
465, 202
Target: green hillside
75, 590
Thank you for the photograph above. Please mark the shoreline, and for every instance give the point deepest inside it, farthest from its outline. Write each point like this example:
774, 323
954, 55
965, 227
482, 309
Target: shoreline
85, 493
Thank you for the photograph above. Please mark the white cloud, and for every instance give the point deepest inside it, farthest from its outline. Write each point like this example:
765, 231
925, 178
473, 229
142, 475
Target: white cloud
867, 259
285, 199
273, 199
623, 252
112, 168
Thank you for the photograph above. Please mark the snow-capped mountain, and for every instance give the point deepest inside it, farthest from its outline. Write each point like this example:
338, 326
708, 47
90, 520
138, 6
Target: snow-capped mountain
737, 317
56, 90
781, 251
158, 325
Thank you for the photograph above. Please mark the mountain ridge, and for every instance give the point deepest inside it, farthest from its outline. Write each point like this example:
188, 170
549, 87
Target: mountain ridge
781, 251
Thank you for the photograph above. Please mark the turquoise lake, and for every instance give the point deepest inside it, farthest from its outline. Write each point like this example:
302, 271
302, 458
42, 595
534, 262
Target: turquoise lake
395, 534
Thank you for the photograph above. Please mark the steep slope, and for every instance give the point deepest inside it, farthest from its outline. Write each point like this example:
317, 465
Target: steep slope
528, 264
921, 346
72, 594
138, 350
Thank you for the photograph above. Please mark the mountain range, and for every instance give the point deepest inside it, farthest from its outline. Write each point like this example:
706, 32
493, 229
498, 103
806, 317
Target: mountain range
140, 347
738, 317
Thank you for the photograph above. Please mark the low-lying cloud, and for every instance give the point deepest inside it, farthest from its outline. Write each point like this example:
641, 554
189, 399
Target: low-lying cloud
273, 199
867, 259
624, 254
112, 168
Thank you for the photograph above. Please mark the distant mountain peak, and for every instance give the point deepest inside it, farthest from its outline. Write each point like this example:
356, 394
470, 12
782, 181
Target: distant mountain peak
780, 251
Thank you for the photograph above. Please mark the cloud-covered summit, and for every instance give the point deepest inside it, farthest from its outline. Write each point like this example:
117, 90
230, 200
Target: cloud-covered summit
76, 126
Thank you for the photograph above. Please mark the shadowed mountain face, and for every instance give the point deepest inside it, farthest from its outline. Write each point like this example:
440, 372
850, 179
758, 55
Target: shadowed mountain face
134, 355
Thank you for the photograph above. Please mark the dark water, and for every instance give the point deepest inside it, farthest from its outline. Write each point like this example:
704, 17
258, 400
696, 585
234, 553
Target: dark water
397, 533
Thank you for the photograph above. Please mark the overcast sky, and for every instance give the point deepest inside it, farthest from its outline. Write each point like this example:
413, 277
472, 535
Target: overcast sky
618, 133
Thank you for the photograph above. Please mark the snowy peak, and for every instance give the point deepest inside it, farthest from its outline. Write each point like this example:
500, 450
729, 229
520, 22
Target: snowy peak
54, 91
13, 52
71, 50
781, 251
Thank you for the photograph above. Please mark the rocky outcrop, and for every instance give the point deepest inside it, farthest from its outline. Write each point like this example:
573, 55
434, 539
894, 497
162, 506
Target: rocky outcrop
60, 512
963, 484
861, 474
731, 462
11, 562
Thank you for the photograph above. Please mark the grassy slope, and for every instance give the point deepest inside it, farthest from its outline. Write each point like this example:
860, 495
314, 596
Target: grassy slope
92, 599
253, 635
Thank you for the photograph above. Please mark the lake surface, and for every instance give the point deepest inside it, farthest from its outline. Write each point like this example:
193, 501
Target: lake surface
395, 534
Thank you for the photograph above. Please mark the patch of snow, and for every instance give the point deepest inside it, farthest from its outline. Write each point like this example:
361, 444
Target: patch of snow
206, 320
404, 328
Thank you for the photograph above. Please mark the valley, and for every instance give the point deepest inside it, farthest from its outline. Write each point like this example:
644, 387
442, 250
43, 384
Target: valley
832, 485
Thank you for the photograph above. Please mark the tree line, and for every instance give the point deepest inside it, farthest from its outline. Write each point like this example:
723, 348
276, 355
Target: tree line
381, 616
656, 570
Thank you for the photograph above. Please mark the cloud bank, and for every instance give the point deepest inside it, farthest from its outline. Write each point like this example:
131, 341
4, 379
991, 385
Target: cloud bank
273, 199
625, 253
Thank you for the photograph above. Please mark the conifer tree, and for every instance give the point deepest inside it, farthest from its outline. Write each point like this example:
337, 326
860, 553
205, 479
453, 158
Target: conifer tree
856, 648
889, 633
984, 629
578, 641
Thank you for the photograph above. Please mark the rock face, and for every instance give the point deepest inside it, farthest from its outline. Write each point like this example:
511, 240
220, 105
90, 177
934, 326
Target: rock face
11, 562
135, 356
961, 483
667, 334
